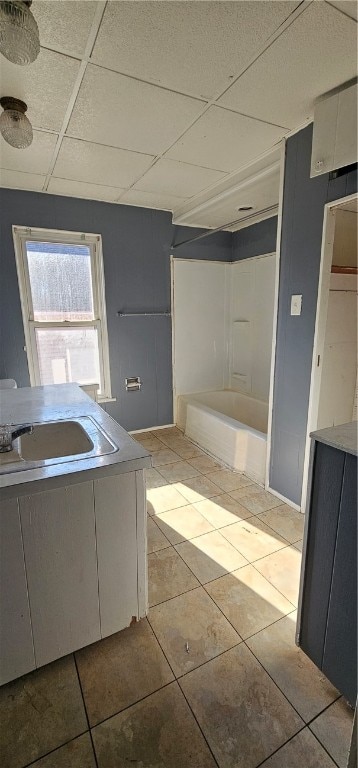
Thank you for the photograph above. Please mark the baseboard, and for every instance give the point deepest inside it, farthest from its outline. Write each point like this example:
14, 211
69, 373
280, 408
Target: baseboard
150, 429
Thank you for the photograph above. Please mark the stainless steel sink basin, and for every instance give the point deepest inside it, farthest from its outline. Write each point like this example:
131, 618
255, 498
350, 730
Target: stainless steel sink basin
57, 442
50, 441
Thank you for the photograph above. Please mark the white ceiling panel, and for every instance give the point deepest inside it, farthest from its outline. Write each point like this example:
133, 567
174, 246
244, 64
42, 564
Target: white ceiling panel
64, 25
122, 112
45, 86
224, 140
189, 46
169, 177
84, 161
83, 189
314, 55
350, 7
19, 180
34, 159
151, 200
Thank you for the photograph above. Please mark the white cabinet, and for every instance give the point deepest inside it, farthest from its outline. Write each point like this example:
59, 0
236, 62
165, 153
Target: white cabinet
334, 143
73, 568
16, 646
60, 553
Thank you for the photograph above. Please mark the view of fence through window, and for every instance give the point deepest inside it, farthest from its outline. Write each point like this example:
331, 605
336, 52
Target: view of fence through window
62, 299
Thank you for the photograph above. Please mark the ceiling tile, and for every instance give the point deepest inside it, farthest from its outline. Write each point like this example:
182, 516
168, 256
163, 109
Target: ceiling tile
347, 6
83, 189
194, 47
224, 140
34, 159
45, 86
122, 112
84, 161
151, 200
315, 54
64, 25
19, 180
167, 177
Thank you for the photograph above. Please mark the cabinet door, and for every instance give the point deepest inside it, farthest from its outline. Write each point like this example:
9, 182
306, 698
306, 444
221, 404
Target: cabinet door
340, 651
16, 646
116, 528
60, 554
322, 528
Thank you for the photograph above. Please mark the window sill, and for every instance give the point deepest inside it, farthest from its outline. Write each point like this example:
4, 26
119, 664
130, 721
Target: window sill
106, 400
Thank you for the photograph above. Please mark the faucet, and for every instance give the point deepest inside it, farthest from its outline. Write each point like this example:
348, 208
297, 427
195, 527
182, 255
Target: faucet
8, 435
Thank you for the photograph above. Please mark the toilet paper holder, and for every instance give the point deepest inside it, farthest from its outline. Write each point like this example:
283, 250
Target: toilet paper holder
133, 383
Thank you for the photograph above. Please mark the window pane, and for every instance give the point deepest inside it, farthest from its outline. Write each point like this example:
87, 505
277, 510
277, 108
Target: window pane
69, 354
60, 279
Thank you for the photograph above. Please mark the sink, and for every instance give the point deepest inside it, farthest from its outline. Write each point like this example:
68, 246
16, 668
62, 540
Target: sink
57, 442
50, 441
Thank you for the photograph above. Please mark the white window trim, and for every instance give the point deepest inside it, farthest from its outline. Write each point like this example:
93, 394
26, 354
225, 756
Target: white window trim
20, 236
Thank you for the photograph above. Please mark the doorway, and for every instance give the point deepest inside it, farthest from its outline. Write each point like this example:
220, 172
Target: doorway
333, 393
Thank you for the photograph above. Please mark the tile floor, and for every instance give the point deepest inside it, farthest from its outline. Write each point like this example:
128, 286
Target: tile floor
212, 679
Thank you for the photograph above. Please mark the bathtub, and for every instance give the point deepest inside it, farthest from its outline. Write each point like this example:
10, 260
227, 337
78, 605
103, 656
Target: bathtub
230, 426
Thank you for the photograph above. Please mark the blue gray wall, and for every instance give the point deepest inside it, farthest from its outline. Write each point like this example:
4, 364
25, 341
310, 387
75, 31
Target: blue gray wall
302, 226
136, 251
256, 240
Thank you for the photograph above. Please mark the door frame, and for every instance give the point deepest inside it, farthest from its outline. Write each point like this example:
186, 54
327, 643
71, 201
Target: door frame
320, 328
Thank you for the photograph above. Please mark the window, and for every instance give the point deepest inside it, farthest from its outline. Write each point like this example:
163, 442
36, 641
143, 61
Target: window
63, 306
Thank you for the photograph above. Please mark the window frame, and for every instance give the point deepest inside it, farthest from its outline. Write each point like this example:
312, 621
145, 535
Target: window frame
21, 235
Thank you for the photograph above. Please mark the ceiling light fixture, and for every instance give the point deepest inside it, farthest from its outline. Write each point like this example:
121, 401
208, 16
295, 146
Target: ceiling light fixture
15, 127
19, 33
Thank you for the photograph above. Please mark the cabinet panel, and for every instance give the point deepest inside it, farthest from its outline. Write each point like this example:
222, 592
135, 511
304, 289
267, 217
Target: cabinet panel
60, 554
322, 529
16, 646
340, 651
116, 527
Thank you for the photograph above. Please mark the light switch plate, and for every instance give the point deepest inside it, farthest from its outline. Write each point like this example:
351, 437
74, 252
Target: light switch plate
296, 304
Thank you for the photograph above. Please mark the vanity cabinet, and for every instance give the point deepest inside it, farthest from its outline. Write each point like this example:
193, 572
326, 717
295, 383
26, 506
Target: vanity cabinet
71, 557
327, 621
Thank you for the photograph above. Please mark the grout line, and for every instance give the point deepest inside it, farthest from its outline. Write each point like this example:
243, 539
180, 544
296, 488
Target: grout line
85, 709
51, 752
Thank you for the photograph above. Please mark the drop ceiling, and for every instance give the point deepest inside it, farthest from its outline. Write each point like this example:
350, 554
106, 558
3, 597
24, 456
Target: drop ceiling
179, 106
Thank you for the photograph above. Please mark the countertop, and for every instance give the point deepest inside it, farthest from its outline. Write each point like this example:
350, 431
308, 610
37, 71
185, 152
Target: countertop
58, 402
344, 437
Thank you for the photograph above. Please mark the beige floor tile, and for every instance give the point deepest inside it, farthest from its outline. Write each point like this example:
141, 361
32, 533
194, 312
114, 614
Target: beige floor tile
76, 754
222, 510
333, 728
40, 712
191, 621
205, 464
120, 670
303, 751
229, 481
168, 576
154, 479
156, 539
198, 488
248, 600
159, 732
184, 523
283, 569
148, 441
164, 456
164, 498
184, 448
295, 674
253, 538
298, 545
168, 433
286, 521
181, 470
242, 713
255, 499
210, 556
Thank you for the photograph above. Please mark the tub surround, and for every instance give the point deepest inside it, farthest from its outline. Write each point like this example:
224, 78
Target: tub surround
73, 563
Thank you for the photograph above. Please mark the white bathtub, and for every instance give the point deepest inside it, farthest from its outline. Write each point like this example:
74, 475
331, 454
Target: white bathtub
230, 426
